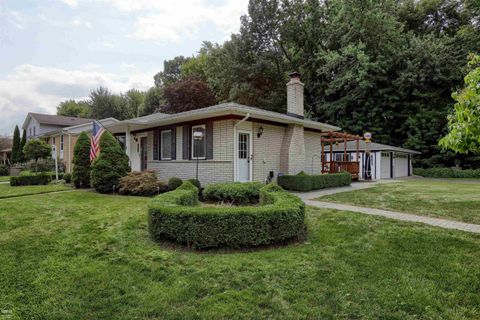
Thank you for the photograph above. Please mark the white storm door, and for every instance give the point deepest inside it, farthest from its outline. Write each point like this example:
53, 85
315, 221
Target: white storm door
243, 156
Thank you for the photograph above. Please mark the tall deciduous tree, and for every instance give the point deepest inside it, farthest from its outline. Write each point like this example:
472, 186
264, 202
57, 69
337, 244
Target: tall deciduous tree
105, 104
464, 123
72, 108
172, 70
188, 94
81, 162
15, 144
154, 99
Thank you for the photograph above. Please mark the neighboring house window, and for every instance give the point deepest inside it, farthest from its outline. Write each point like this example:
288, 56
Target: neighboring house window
199, 146
34, 132
61, 142
166, 145
29, 132
53, 141
339, 157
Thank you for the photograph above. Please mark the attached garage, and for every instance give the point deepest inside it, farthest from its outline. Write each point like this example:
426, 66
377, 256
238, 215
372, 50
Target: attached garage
385, 162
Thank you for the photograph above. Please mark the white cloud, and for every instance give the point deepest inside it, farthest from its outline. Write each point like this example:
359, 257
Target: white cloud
33, 88
174, 20
71, 3
81, 23
16, 18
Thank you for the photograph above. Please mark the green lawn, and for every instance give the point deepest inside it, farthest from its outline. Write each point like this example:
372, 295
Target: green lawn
6, 191
455, 200
82, 255
4, 178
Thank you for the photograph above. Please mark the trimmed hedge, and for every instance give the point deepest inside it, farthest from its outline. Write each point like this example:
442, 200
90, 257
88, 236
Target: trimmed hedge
4, 170
233, 192
305, 182
31, 180
176, 216
447, 173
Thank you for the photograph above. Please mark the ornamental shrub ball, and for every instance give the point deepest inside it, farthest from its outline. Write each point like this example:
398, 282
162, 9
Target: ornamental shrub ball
109, 166
143, 183
174, 183
81, 162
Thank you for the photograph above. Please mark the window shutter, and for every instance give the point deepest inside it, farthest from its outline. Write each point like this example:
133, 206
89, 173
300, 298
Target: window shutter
187, 137
156, 144
209, 137
174, 143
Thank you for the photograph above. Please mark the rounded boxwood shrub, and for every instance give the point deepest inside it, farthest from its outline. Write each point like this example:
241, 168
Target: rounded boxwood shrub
196, 183
174, 183
177, 216
3, 170
233, 192
67, 177
109, 166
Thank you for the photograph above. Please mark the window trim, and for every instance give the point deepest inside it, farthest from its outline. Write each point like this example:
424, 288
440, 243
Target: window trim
204, 126
161, 144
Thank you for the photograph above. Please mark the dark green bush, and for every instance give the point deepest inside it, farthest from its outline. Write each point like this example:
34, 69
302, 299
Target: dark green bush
81, 162
174, 183
176, 216
4, 170
143, 183
67, 177
109, 166
196, 183
31, 180
304, 182
447, 173
233, 192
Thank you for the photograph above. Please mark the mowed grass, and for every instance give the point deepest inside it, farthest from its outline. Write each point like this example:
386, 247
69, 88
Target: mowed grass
6, 191
454, 200
82, 255
4, 178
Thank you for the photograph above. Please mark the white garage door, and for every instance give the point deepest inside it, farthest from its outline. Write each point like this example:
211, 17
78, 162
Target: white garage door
400, 165
385, 166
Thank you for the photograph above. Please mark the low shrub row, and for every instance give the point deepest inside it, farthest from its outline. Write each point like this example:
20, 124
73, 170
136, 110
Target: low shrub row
31, 180
305, 182
177, 216
447, 173
233, 192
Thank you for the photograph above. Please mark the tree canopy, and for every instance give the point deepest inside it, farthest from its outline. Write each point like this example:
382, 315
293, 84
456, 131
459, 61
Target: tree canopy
464, 123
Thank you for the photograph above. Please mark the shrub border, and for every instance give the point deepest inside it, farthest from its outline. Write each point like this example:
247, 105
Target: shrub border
305, 182
176, 216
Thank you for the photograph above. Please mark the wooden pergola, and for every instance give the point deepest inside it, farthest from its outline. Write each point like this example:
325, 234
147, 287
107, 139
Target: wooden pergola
331, 166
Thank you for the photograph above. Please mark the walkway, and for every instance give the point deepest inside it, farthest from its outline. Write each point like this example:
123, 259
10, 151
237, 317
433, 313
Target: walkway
443, 223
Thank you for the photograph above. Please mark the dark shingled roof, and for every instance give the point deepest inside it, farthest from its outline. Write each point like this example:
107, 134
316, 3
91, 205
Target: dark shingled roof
54, 120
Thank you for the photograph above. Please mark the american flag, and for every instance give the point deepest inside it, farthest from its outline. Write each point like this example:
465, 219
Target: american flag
97, 132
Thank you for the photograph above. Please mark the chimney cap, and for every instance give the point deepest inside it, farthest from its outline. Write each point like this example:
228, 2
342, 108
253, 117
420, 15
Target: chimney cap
294, 74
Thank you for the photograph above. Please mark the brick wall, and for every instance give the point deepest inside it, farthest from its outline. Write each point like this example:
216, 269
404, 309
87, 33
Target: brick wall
266, 150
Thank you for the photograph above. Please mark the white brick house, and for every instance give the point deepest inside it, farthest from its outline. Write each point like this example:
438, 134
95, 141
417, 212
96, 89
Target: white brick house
240, 143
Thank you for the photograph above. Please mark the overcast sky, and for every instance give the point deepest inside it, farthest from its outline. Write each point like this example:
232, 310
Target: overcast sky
56, 50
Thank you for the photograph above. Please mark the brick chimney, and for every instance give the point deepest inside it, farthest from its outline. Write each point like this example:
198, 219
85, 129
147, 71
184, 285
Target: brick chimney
295, 96
292, 153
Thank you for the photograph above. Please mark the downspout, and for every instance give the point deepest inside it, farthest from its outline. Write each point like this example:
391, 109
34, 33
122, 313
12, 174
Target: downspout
235, 169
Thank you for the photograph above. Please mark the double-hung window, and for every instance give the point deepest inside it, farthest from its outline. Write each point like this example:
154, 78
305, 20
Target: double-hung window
166, 145
199, 146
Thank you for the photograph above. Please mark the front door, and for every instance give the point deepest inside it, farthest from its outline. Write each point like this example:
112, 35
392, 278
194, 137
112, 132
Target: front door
243, 156
143, 153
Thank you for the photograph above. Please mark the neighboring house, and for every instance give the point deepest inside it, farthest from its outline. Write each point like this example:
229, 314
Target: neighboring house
37, 124
384, 162
235, 142
5, 156
64, 139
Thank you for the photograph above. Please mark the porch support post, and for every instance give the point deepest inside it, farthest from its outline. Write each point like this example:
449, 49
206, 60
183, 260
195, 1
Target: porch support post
331, 156
345, 147
323, 155
128, 144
